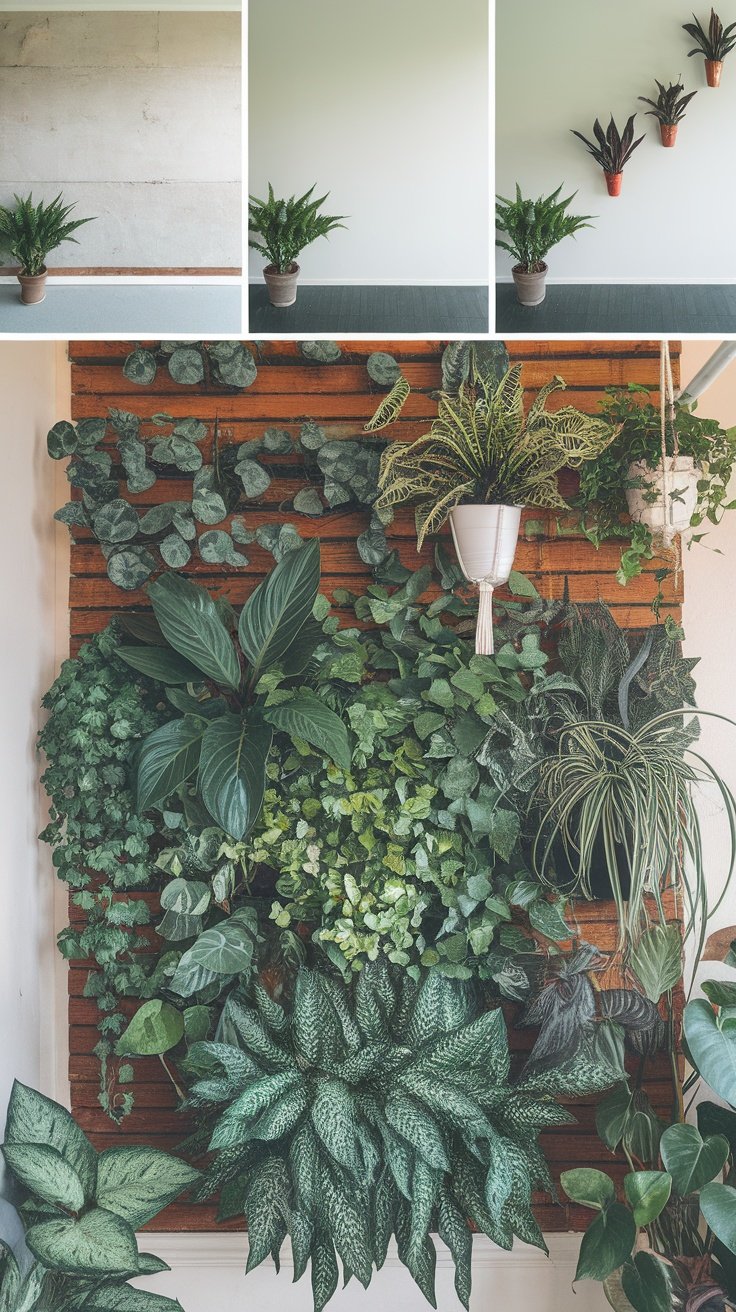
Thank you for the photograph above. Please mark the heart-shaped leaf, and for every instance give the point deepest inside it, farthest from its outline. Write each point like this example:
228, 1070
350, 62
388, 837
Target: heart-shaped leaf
99, 1242
155, 1028
34, 1118
690, 1159
718, 1205
607, 1243
646, 1283
138, 1182
712, 1049
647, 1193
46, 1174
588, 1187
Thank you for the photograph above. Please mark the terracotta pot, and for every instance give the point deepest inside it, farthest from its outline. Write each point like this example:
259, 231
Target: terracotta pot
281, 286
485, 539
668, 132
646, 504
530, 287
33, 287
613, 182
713, 72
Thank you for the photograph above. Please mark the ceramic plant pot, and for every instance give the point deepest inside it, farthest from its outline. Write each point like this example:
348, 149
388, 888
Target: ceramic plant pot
613, 182
647, 508
713, 72
33, 287
281, 286
530, 287
485, 540
668, 132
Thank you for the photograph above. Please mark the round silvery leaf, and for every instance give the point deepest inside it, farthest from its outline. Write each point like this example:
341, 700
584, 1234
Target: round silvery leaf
312, 436
321, 352
62, 440
216, 548
193, 430
129, 567
116, 521
241, 533
140, 367
253, 476
307, 501
186, 365
174, 551
157, 518
277, 441
372, 545
90, 432
124, 422
208, 506
178, 451
233, 363
383, 369
133, 455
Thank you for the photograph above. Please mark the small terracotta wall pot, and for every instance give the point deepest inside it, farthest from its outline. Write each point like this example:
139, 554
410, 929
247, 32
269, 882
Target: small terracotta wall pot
33, 288
713, 72
613, 182
530, 287
281, 286
669, 133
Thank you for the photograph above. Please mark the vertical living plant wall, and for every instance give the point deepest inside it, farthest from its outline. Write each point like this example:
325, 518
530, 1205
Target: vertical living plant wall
248, 474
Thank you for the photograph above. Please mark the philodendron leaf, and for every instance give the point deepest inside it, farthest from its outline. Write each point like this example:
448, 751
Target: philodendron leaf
232, 772
160, 663
190, 622
168, 757
34, 1118
226, 949
98, 1243
588, 1187
305, 716
607, 1243
657, 960
274, 614
713, 1050
646, 1283
155, 1028
718, 1205
46, 1174
138, 1182
691, 1160
647, 1193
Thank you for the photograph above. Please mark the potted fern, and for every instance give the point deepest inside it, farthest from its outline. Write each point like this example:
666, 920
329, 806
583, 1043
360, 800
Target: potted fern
669, 109
612, 150
29, 233
533, 227
482, 461
715, 44
281, 230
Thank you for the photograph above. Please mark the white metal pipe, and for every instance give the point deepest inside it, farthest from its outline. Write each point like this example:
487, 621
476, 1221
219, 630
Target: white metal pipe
705, 377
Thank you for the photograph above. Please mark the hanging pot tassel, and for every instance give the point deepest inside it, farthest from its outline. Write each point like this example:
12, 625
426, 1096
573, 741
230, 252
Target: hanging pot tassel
484, 627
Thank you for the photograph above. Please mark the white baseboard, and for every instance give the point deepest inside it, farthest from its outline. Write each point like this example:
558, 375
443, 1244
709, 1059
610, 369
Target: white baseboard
140, 280
257, 280
631, 282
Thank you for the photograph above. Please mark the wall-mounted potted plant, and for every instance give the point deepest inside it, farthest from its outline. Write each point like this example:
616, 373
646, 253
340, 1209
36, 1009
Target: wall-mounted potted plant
669, 109
715, 44
283, 228
612, 151
29, 233
533, 227
482, 461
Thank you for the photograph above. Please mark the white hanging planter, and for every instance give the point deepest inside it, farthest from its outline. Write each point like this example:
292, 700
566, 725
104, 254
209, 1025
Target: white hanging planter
485, 540
679, 489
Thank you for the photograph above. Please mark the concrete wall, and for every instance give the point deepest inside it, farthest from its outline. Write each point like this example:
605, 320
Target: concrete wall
558, 66
136, 117
385, 106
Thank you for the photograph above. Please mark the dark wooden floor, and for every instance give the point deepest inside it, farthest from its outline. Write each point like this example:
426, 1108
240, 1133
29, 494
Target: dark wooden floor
441, 310
606, 308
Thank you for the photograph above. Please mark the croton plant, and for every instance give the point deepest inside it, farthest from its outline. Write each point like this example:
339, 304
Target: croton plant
367, 843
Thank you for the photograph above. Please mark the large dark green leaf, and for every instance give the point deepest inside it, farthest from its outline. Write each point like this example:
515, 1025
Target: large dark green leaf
168, 757
607, 1243
155, 1028
281, 605
588, 1187
126, 1298
190, 622
34, 1118
718, 1205
232, 772
646, 1283
97, 1243
691, 1160
138, 1182
712, 1049
305, 716
224, 950
160, 663
647, 1193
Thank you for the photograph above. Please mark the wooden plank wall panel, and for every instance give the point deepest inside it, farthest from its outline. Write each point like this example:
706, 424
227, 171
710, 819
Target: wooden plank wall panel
287, 392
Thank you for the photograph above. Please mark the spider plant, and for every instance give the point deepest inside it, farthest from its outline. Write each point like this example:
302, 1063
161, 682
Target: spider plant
482, 448
670, 105
611, 149
628, 794
533, 227
714, 44
30, 232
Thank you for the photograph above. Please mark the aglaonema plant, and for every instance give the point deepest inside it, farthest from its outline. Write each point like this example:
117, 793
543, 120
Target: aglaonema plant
221, 739
382, 1108
80, 1213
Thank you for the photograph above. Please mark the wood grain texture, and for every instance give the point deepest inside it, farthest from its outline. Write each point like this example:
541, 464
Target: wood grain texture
287, 392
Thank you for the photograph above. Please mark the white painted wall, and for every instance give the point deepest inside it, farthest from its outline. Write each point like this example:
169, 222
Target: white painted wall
33, 561
384, 105
558, 66
136, 117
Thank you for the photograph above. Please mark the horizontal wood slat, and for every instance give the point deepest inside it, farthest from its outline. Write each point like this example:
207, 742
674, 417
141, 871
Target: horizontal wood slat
288, 391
